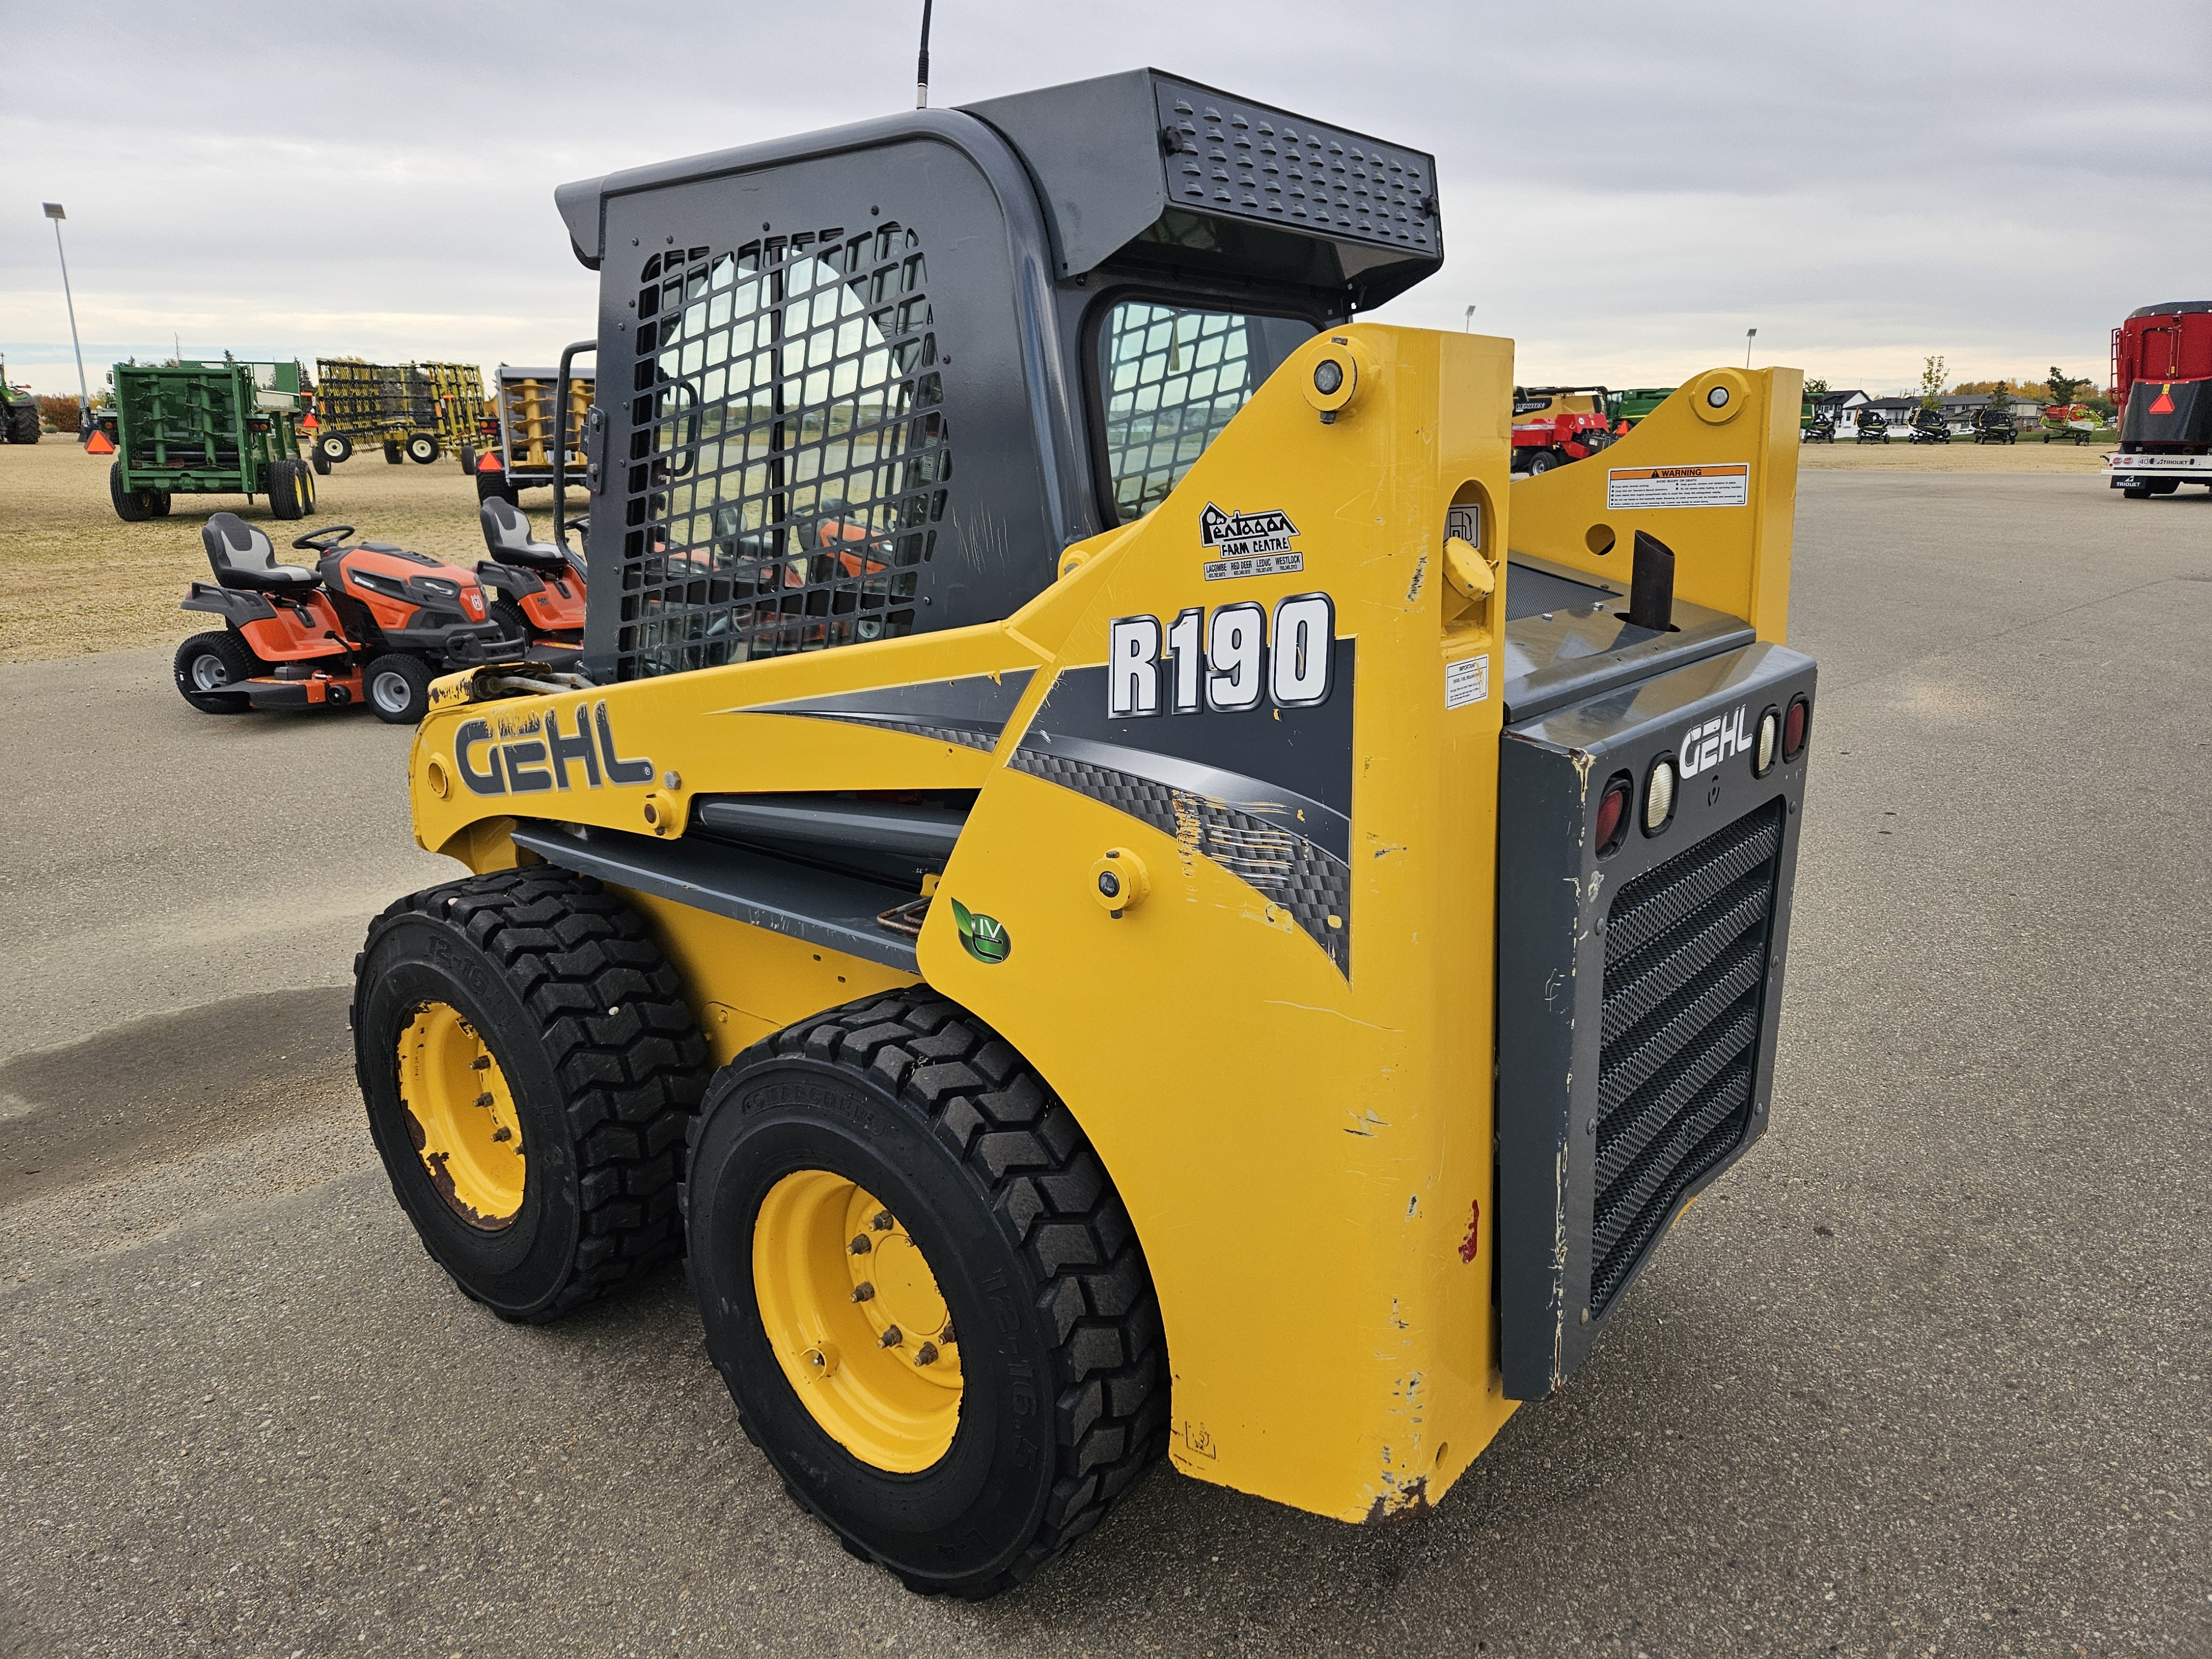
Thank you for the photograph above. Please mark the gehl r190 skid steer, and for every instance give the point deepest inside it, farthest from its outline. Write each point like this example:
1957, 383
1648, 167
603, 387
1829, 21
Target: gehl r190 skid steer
1108, 879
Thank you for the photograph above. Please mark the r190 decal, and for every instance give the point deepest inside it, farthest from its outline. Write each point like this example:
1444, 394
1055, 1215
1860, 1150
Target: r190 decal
1222, 663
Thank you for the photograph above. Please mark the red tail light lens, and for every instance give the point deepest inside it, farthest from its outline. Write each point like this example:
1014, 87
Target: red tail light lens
1612, 815
1794, 724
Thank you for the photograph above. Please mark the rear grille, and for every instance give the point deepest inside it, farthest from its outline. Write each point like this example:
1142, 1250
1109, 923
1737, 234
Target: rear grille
1685, 948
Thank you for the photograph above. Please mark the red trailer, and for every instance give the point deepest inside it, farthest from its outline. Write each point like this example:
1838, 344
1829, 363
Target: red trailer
2162, 382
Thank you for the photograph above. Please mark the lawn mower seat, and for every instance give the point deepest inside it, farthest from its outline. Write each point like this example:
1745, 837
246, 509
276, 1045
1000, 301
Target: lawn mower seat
244, 557
507, 533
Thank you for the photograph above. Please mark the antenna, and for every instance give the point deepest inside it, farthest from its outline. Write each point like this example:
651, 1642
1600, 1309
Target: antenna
922, 64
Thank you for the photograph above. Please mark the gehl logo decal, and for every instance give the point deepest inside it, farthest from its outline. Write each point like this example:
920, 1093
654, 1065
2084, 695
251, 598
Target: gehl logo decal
1706, 746
520, 763
1221, 663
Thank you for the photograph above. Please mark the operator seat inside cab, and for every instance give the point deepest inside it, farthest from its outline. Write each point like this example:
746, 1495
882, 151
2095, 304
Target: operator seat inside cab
244, 557
506, 533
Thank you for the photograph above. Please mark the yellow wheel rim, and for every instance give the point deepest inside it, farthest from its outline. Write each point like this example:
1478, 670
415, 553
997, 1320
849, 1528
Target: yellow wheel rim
461, 1116
854, 1313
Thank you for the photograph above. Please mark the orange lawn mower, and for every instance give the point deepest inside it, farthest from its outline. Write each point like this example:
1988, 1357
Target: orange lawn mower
540, 590
370, 622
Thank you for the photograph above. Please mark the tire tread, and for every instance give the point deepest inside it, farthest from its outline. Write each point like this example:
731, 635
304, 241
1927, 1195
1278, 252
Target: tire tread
1036, 1171
633, 1077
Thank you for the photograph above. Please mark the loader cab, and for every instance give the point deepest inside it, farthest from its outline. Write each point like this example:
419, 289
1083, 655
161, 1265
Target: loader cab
870, 382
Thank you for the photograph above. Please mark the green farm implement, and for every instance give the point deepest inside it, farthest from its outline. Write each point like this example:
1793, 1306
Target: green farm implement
19, 411
208, 428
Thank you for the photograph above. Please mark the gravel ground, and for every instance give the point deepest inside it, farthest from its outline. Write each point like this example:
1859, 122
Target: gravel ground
1925, 1375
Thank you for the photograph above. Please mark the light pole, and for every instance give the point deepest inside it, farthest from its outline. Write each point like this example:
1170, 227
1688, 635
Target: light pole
1749, 335
1468, 326
83, 393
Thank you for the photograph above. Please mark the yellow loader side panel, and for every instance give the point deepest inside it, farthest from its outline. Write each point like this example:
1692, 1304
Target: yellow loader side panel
1690, 448
1295, 1108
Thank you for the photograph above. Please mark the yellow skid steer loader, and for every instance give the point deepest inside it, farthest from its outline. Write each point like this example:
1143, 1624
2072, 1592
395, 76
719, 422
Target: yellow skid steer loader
1109, 879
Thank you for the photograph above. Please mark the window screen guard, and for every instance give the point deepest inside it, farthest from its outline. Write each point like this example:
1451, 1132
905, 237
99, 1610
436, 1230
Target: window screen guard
1171, 378
788, 453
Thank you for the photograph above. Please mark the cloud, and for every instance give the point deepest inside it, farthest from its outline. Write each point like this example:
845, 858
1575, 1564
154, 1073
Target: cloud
1626, 188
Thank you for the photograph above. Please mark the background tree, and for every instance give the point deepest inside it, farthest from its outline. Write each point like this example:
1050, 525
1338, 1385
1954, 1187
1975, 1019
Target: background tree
1816, 388
1932, 376
2065, 388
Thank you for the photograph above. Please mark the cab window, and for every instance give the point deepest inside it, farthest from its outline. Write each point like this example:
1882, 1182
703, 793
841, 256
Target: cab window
1170, 377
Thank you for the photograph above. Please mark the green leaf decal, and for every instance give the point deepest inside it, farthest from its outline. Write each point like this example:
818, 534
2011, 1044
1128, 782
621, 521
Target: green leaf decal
983, 938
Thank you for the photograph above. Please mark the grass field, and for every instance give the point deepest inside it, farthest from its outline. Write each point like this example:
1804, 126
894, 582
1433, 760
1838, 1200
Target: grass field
75, 579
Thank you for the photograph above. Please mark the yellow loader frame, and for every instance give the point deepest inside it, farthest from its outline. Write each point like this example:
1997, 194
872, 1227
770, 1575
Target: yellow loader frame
1306, 1152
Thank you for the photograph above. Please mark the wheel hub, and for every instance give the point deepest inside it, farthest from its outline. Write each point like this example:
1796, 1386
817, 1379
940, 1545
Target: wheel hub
391, 692
852, 1310
209, 674
461, 1116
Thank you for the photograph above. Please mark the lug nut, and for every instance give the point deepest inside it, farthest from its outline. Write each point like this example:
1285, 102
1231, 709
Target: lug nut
480, 1063
502, 1133
890, 1338
484, 1099
882, 1223
945, 1335
859, 1246
925, 1354
864, 1292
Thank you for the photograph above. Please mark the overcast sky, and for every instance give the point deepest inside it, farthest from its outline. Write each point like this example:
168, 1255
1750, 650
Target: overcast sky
1626, 188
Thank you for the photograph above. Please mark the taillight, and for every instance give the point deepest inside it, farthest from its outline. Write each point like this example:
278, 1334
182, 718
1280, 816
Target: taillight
1613, 814
1763, 747
1794, 724
1659, 798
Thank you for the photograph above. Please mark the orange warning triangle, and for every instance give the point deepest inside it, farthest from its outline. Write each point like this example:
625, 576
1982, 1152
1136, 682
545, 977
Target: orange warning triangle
98, 444
2163, 405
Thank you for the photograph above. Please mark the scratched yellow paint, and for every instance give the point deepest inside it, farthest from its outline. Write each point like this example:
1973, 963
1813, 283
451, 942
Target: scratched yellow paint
1306, 1157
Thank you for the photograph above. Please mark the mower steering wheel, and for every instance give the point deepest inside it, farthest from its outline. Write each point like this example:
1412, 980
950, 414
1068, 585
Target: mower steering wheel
325, 540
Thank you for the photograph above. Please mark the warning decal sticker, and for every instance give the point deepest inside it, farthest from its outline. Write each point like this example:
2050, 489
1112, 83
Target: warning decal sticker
1723, 485
1467, 681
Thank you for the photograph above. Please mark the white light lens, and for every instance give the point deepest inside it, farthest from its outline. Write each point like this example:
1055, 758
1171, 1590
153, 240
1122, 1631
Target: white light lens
1659, 798
1770, 733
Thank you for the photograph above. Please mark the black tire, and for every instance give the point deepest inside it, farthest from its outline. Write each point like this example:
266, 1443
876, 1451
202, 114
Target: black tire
1542, 462
2135, 492
494, 485
206, 662
391, 452
512, 623
588, 1023
916, 1101
398, 688
334, 447
131, 505
422, 448
469, 460
23, 424
320, 461
160, 501
287, 490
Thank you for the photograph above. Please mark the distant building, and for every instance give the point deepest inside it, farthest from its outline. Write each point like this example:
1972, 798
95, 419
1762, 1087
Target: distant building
1840, 407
